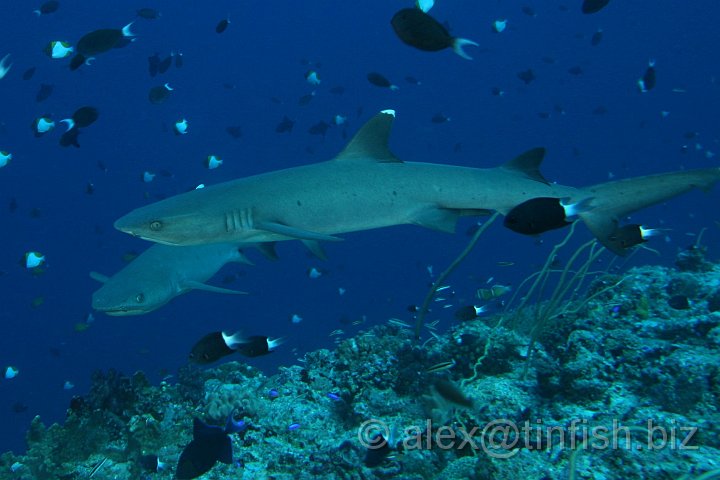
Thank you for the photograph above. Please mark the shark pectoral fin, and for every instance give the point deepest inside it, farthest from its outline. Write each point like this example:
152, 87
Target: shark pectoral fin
603, 226
190, 284
528, 163
268, 250
315, 248
442, 219
371, 141
99, 277
293, 232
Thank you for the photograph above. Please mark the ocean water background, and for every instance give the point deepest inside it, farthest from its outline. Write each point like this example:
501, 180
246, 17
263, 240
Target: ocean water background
252, 75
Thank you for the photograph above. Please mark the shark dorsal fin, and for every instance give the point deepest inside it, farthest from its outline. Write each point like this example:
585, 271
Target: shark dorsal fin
371, 141
528, 163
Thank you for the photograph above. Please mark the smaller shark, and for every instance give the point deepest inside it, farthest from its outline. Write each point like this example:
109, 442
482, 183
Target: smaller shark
160, 274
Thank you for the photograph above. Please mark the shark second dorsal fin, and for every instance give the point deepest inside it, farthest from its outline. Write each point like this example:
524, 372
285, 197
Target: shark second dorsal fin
371, 141
528, 163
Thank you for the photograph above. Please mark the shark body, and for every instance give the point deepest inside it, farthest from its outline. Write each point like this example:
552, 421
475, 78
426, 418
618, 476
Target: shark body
367, 187
160, 274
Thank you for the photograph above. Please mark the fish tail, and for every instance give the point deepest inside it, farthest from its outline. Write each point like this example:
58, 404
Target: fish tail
461, 43
126, 30
233, 341
615, 200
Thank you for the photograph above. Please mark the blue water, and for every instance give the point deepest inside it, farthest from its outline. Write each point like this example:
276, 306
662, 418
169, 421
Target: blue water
263, 57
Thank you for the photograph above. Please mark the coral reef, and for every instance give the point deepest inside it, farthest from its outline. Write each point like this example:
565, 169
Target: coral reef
627, 362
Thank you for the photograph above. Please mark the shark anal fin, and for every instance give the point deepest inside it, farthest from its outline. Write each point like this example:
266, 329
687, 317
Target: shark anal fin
268, 250
210, 288
242, 258
315, 248
441, 219
293, 232
603, 226
99, 277
371, 141
528, 163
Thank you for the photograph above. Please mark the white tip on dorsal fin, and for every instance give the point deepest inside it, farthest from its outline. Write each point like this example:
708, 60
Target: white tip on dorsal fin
528, 163
371, 141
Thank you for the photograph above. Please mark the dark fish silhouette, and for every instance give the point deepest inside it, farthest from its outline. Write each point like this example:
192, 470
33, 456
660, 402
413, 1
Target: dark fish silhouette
28, 74
379, 80
165, 64
50, 6
541, 214
153, 64
234, 131
212, 347
210, 444
319, 128
285, 125
44, 92
418, 29
159, 94
70, 138
596, 38
305, 99
148, 13
648, 81
593, 6
85, 116
526, 76
222, 25
99, 41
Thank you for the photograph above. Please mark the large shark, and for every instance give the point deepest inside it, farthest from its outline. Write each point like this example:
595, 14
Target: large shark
160, 274
367, 187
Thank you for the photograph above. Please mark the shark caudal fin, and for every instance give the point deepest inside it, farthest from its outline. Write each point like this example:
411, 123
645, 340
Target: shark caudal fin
614, 200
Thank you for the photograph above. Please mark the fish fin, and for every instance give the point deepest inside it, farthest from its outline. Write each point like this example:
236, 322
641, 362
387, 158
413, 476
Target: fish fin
603, 226
225, 454
240, 257
268, 250
315, 248
191, 284
459, 44
528, 163
202, 429
371, 141
441, 219
293, 232
99, 277
235, 340
126, 30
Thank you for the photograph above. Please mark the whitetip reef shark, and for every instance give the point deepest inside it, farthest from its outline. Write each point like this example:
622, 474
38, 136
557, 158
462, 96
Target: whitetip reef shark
160, 274
367, 187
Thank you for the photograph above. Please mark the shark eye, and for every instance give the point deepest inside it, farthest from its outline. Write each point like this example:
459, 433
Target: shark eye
155, 225
140, 298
